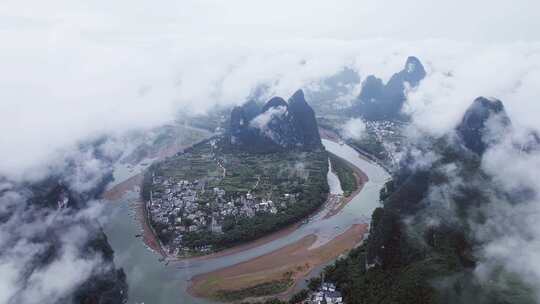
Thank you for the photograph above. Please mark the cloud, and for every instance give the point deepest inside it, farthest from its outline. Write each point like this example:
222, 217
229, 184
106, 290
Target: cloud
354, 128
30, 236
74, 71
261, 121
59, 279
505, 71
500, 218
510, 233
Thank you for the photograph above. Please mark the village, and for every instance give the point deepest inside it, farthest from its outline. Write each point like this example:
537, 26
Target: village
325, 294
182, 207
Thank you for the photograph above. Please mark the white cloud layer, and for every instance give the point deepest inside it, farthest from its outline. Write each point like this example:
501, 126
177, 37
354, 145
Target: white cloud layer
29, 235
509, 72
73, 69
354, 128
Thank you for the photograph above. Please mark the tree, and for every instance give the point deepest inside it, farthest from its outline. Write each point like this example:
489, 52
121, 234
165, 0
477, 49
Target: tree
314, 283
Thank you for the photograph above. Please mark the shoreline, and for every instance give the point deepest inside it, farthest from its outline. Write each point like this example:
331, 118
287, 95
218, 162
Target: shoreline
240, 248
152, 241
335, 137
281, 233
312, 258
299, 251
361, 180
119, 190
269, 267
297, 259
150, 238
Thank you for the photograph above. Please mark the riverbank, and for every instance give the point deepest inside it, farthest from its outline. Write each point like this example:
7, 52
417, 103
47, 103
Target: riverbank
360, 176
361, 179
119, 190
134, 183
153, 281
333, 205
292, 262
329, 135
149, 236
278, 273
335, 137
151, 240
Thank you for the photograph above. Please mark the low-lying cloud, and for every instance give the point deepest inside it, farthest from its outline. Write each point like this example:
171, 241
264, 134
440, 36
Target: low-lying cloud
354, 128
30, 235
75, 71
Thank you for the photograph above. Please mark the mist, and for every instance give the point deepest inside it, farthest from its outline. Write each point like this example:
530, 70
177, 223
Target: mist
75, 71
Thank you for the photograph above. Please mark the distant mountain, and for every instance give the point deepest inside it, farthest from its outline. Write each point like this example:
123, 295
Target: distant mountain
473, 129
333, 92
276, 126
379, 101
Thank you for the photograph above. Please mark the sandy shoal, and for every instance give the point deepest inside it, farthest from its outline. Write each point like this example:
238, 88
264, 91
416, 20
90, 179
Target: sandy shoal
297, 258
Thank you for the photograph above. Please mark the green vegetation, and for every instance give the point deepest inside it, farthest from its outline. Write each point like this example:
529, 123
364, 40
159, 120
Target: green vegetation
371, 144
294, 181
408, 284
386, 191
409, 260
381, 139
314, 283
299, 296
419, 263
344, 173
260, 290
175, 135
295, 299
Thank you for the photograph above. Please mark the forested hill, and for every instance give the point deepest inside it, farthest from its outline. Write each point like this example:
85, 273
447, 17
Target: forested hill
105, 284
384, 101
422, 246
276, 126
51, 229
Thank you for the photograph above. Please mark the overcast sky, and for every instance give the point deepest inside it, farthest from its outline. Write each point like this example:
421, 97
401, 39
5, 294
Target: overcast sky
485, 20
72, 69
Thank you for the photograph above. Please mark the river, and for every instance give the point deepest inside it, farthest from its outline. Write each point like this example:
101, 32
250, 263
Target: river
152, 282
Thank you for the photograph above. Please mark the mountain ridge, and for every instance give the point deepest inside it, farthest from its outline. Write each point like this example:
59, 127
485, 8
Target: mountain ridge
421, 247
276, 126
380, 101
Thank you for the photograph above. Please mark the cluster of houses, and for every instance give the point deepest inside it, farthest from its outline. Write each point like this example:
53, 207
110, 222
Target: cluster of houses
382, 128
174, 198
326, 294
183, 206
